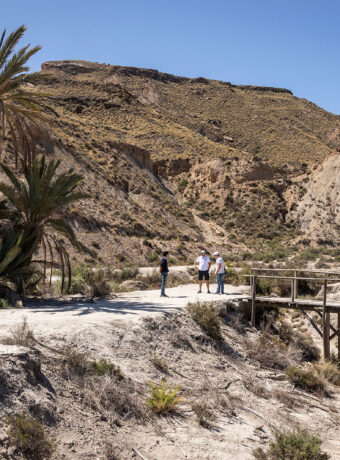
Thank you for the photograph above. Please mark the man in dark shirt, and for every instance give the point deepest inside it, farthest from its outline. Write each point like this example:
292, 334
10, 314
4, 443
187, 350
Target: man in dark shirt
164, 271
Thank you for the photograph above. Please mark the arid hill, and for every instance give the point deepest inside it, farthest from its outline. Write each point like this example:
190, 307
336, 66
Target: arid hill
183, 163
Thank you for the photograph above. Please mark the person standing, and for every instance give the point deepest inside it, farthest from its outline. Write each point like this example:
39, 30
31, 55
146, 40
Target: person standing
220, 272
164, 271
202, 264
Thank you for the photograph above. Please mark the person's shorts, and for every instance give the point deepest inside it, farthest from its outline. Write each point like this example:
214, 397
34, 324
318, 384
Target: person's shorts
203, 274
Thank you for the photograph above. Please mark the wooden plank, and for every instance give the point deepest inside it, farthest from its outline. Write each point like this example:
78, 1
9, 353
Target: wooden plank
253, 303
325, 324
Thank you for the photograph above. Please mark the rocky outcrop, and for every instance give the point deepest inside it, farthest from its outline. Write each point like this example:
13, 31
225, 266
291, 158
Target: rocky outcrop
319, 208
170, 168
142, 157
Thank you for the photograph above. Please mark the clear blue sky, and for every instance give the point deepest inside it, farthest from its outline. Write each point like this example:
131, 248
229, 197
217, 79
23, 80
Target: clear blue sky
287, 43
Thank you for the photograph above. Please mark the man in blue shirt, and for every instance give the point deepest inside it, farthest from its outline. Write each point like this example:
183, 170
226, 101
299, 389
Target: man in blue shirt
164, 271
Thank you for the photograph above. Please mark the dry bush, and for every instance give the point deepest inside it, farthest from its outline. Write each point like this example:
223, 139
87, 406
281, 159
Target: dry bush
307, 379
153, 280
285, 398
29, 437
206, 316
272, 354
124, 274
108, 395
228, 402
110, 452
163, 398
21, 334
255, 388
74, 362
295, 445
329, 371
303, 342
202, 412
159, 363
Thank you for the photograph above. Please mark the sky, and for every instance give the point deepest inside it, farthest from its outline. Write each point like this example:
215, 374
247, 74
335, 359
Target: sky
292, 44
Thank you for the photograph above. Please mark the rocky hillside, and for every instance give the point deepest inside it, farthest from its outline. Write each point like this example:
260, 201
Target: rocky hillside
185, 163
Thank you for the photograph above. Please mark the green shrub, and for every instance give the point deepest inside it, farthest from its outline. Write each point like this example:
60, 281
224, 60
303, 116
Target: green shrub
206, 316
104, 367
295, 445
124, 274
163, 398
306, 378
29, 437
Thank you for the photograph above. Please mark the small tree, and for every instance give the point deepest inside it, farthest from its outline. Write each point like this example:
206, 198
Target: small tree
22, 108
35, 212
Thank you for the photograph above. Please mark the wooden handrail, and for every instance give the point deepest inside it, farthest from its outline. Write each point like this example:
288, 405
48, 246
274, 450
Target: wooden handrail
293, 278
324, 272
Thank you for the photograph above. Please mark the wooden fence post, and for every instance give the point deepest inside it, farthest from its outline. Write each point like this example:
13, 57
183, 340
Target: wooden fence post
325, 324
338, 335
293, 289
295, 285
253, 302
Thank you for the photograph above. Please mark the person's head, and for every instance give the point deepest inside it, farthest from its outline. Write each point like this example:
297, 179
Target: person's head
203, 253
165, 253
216, 254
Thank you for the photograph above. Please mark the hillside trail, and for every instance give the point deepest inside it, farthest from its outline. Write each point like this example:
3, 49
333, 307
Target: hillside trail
67, 318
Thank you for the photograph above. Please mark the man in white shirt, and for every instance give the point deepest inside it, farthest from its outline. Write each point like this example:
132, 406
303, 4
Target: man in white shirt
220, 272
202, 264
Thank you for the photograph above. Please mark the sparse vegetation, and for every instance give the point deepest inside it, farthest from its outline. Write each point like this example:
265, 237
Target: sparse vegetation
21, 334
295, 445
206, 316
307, 379
104, 367
29, 437
159, 363
202, 412
163, 398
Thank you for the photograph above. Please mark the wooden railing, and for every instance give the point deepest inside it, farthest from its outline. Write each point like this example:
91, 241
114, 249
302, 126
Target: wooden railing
293, 300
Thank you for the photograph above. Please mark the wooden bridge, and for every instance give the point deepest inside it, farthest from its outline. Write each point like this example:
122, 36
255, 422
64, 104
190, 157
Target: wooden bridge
324, 308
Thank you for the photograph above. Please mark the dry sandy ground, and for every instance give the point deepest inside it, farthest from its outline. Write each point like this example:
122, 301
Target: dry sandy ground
70, 318
129, 330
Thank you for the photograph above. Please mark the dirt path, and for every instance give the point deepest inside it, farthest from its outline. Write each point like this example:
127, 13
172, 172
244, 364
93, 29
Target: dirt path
67, 318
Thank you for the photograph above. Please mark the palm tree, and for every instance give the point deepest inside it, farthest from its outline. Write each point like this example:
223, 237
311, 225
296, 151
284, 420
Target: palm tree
22, 108
35, 212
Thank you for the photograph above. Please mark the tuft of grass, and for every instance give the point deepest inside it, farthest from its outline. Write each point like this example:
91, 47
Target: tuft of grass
111, 398
307, 379
295, 445
21, 334
29, 437
104, 367
329, 371
163, 398
159, 363
202, 412
206, 316
74, 361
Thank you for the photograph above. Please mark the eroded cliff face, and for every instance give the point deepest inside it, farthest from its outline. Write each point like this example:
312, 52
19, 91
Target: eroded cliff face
318, 209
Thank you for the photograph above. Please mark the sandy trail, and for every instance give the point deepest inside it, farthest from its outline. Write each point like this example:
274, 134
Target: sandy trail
70, 317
